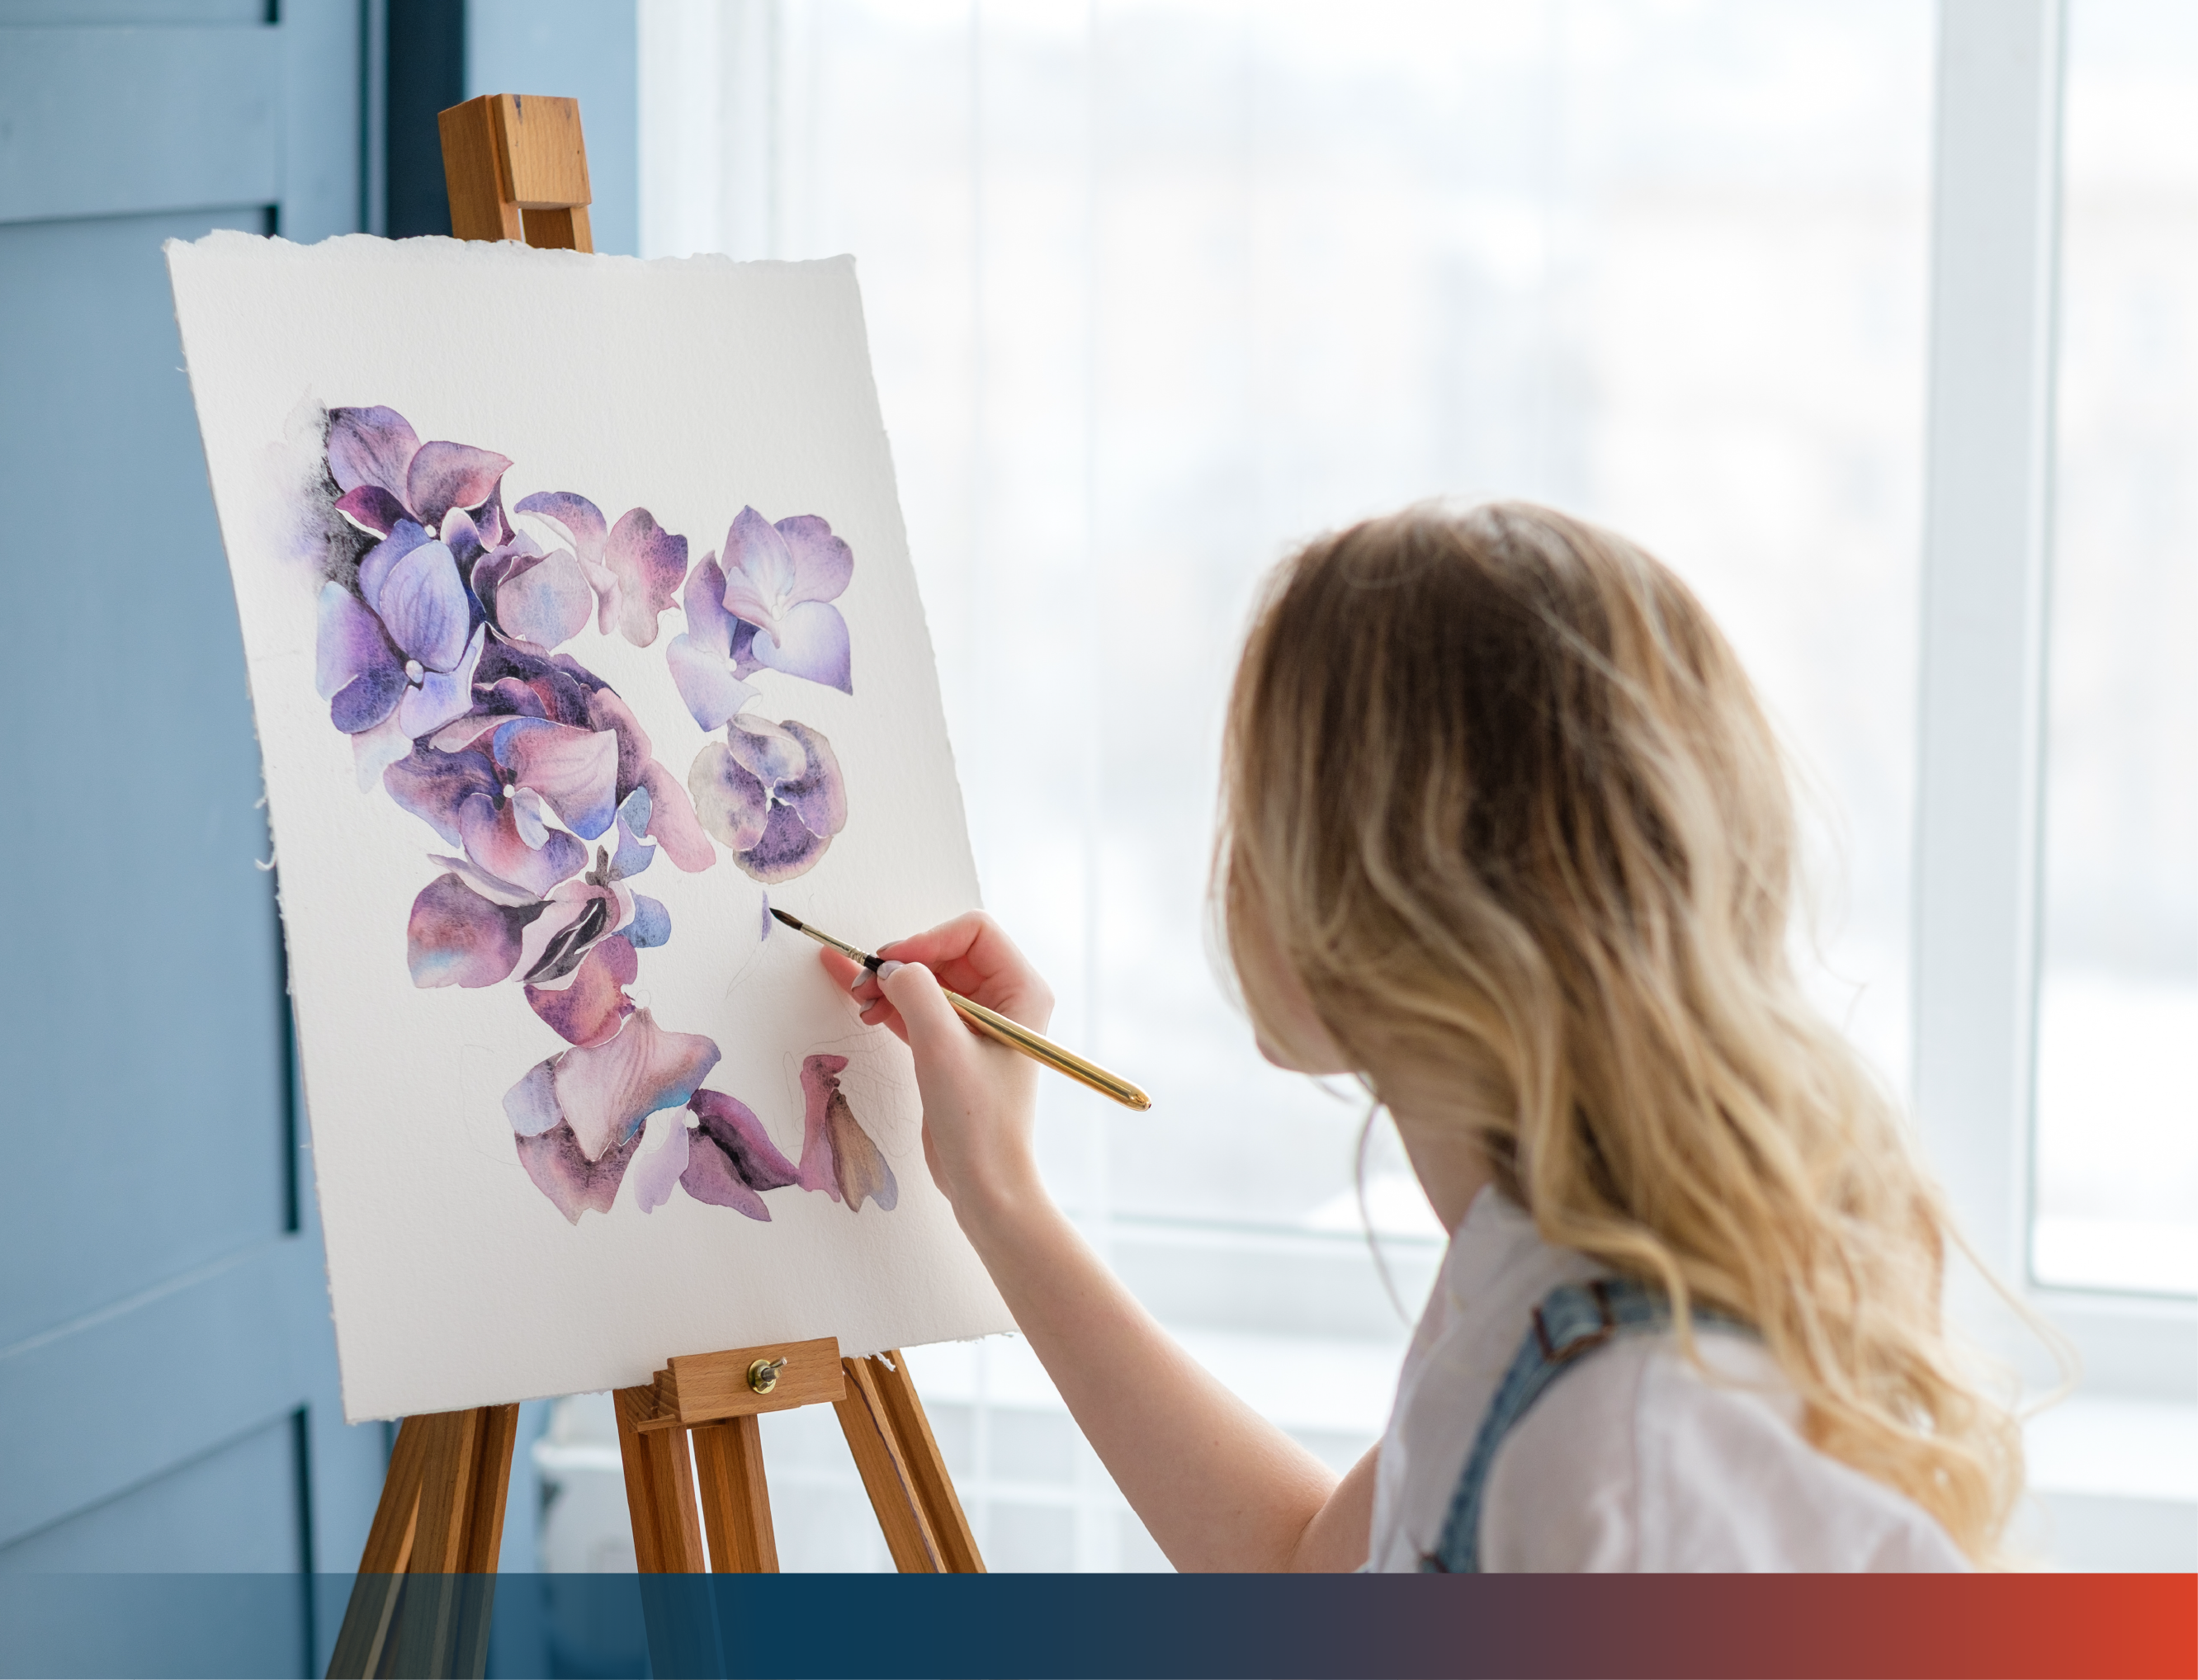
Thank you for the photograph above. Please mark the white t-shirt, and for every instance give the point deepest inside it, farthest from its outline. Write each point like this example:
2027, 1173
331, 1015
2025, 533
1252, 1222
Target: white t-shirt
1632, 1460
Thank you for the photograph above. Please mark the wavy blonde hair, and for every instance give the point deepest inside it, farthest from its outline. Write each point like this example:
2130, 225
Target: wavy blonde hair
1508, 805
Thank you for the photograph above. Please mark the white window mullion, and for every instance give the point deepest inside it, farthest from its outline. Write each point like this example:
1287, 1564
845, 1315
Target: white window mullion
1987, 498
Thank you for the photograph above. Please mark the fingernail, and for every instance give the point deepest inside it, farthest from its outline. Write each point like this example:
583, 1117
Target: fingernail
885, 971
855, 984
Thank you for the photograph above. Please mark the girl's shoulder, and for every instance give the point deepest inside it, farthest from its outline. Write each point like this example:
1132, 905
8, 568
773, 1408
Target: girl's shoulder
1639, 1460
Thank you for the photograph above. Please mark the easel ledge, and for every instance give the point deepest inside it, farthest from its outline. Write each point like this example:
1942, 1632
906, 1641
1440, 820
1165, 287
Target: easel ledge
689, 1441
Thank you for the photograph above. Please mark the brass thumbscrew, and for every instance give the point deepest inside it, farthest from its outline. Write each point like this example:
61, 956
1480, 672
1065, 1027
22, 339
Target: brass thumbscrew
763, 1375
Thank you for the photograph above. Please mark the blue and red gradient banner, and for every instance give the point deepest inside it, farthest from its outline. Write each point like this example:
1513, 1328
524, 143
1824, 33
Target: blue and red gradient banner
2003, 1627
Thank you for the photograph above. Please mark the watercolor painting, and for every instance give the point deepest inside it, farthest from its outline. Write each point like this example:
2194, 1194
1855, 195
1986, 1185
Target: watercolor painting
437, 633
581, 629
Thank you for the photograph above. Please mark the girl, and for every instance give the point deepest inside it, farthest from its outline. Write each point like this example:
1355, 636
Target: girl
1506, 834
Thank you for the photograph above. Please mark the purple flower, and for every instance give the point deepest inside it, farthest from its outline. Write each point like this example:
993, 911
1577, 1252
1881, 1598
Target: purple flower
771, 791
838, 1156
588, 1007
709, 662
579, 1116
780, 580
406, 644
387, 474
531, 595
731, 1157
635, 567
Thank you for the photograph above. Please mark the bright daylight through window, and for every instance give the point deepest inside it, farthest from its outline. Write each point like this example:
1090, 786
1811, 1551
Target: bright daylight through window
1156, 291
2117, 1139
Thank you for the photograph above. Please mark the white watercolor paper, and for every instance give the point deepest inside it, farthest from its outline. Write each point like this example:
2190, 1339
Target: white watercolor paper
580, 619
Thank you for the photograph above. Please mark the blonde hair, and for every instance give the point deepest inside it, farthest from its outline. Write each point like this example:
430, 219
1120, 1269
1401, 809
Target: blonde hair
1509, 807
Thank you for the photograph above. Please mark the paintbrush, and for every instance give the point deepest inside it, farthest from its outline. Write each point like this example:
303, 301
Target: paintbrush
996, 1026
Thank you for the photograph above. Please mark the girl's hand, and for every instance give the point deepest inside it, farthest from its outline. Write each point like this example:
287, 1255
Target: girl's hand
980, 1099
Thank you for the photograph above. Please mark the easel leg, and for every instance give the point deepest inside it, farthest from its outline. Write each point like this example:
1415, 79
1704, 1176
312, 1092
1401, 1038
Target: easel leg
867, 1421
919, 1450
735, 1499
374, 1594
660, 1489
422, 1600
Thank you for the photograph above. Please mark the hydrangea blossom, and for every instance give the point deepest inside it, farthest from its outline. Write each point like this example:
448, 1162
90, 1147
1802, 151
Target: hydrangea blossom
772, 792
437, 651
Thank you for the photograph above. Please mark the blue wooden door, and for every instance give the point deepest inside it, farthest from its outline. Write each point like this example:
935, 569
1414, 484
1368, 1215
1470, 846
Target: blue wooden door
167, 1376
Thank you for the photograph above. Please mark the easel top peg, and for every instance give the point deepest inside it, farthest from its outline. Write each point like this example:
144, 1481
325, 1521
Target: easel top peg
516, 167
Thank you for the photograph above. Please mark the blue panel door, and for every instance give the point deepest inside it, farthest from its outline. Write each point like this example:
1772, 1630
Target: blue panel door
167, 1376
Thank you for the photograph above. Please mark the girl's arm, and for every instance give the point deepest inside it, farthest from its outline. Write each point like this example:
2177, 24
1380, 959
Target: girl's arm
1217, 1485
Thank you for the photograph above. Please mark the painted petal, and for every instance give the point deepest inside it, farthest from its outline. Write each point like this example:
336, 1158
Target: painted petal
651, 924
709, 1178
705, 681
708, 623
546, 603
657, 1171
506, 561
648, 562
445, 475
765, 750
511, 698
493, 842
467, 731
819, 794
355, 668
732, 1126
457, 938
606, 1092
575, 770
461, 536
531, 816
442, 697
577, 519
434, 786
577, 914
811, 641
376, 564
758, 570
366, 700
672, 824
495, 528
531, 1105
423, 606
745, 663
348, 641
589, 1009
561, 1170
729, 803
631, 857
371, 508
823, 563
495, 891
373, 751
372, 447
788, 848
838, 1156
606, 711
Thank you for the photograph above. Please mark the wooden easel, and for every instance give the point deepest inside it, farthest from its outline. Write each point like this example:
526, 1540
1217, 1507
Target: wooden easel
689, 1441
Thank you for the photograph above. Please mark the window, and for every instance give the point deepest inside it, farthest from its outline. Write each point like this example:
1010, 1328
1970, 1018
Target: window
2117, 1101
1156, 290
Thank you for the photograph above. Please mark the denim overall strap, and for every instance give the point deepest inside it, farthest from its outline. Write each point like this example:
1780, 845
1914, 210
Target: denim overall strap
1573, 1320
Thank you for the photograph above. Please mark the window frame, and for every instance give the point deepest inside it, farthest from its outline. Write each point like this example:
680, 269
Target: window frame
1987, 568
